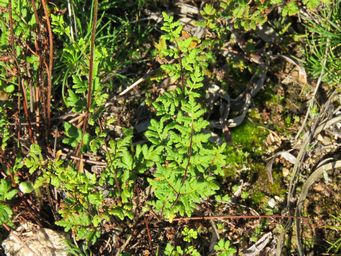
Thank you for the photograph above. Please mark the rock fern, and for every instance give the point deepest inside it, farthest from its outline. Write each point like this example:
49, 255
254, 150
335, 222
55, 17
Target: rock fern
187, 161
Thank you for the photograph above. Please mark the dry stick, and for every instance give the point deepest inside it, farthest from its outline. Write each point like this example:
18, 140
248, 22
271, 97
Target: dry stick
50, 67
33, 3
317, 174
215, 236
46, 67
32, 91
121, 249
314, 131
91, 64
74, 21
148, 234
38, 53
237, 217
140, 80
136, 83
98, 163
25, 105
37, 100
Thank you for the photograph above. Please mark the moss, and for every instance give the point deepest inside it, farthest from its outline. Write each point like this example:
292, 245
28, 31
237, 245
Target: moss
258, 197
263, 184
250, 137
235, 158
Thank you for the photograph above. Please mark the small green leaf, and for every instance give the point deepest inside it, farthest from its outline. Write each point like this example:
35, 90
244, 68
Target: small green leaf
9, 195
208, 10
290, 9
10, 88
26, 187
5, 214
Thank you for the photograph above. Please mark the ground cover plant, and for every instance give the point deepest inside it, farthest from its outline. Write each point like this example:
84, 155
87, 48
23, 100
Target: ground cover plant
172, 127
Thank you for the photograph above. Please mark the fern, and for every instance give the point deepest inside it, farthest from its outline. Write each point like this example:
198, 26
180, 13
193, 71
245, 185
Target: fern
187, 162
90, 199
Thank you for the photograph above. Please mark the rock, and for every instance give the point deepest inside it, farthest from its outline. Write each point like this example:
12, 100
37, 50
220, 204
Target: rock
272, 203
31, 240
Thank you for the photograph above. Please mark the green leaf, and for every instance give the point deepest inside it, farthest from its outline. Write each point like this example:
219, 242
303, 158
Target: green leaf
6, 193
208, 10
74, 135
26, 187
290, 9
312, 4
9, 88
5, 214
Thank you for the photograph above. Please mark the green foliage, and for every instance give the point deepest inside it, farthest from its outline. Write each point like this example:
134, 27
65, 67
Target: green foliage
26, 187
323, 54
6, 194
187, 161
290, 9
5, 214
251, 137
113, 52
89, 199
247, 15
82, 199
189, 234
74, 136
223, 248
312, 4
171, 250
34, 160
5, 134
23, 22
120, 175
6, 191
178, 164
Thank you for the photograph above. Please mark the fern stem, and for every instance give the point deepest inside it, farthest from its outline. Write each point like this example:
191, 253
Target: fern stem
189, 155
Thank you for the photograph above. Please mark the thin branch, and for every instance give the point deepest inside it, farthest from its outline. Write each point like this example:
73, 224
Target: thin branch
136, 83
25, 105
50, 67
237, 217
121, 249
89, 97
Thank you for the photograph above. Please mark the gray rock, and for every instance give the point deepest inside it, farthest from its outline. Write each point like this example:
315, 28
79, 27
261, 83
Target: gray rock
31, 240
